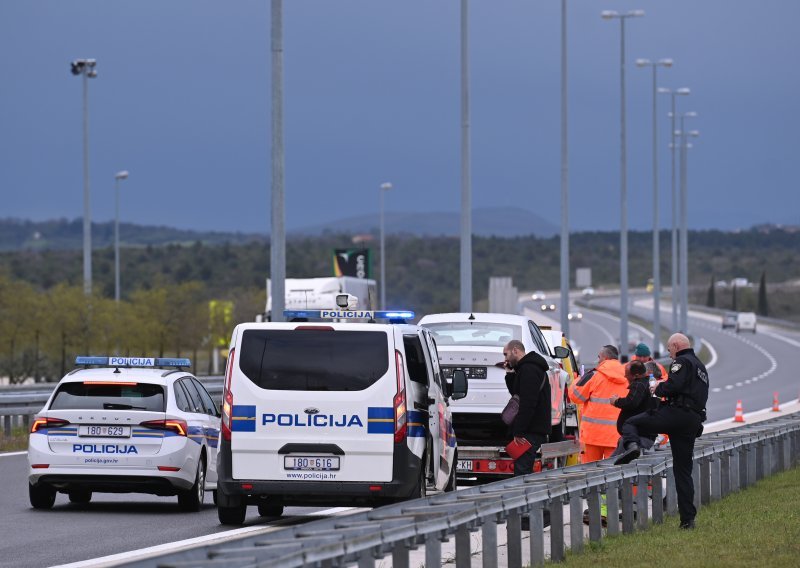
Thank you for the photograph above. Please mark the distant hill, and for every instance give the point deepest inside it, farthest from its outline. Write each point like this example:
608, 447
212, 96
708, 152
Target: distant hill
65, 234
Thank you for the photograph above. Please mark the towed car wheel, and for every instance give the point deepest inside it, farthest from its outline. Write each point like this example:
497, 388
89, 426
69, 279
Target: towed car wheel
192, 499
41, 496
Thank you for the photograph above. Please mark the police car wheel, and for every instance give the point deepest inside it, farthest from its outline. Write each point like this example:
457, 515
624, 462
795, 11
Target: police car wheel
41, 496
80, 496
214, 497
421, 488
192, 499
270, 510
232, 515
452, 482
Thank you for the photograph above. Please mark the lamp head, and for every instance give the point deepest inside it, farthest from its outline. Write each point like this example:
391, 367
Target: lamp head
609, 14
635, 14
683, 91
386, 185
642, 62
665, 62
121, 175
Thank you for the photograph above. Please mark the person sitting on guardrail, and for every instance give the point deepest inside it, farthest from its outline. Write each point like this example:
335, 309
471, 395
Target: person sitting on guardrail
638, 400
680, 415
642, 353
598, 429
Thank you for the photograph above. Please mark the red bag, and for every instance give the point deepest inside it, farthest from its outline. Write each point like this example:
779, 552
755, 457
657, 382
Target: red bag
515, 450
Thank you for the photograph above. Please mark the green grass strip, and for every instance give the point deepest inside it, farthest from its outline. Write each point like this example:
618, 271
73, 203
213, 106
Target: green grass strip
758, 526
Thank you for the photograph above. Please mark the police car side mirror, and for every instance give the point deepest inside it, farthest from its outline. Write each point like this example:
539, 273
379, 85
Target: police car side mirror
561, 352
459, 385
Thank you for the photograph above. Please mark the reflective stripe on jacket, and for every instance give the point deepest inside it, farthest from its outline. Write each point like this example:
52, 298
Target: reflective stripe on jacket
598, 415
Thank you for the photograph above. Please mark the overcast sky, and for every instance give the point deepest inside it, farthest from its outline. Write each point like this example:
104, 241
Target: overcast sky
182, 101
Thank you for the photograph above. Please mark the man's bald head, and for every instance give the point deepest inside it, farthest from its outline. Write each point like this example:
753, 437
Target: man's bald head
677, 342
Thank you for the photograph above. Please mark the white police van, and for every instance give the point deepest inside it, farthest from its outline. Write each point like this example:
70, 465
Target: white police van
125, 426
333, 413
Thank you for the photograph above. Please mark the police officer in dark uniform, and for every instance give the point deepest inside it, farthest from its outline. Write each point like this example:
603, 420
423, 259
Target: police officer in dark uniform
680, 416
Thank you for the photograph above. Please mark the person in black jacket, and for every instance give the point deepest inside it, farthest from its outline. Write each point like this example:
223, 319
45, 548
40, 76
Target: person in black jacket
637, 401
527, 377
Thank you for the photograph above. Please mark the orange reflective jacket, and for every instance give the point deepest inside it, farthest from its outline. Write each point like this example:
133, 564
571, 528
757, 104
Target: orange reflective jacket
593, 392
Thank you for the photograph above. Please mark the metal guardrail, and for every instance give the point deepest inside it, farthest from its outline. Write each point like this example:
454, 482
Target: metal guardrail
19, 403
724, 463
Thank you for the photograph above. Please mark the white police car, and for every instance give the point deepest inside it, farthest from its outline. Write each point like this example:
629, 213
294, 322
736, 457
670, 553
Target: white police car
125, 427
333, 413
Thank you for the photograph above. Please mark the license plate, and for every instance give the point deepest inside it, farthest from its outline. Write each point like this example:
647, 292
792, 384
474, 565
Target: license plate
105, 431
464, 465
311, 463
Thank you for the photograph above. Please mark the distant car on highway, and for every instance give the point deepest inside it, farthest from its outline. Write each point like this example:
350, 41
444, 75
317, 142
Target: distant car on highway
729, 320
575, 316
589, 291
538, 295
125, 427
745, 321
548, 307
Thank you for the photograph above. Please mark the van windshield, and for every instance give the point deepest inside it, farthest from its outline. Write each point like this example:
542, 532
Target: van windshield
474, 333
313, 360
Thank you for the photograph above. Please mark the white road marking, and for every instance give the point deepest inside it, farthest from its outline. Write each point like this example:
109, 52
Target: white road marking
7, 454
144, 553
712, 351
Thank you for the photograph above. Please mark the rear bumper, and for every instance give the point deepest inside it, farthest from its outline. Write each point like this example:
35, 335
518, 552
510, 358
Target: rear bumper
317, 490
153, 485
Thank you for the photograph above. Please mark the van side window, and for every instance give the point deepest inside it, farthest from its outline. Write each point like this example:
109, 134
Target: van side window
434, 355
415, 359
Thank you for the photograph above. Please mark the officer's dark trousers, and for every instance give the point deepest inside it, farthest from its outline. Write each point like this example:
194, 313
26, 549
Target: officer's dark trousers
682, 426
523, 465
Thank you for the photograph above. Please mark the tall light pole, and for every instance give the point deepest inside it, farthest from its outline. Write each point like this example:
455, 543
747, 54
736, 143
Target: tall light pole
277, 260
684, 229
674, 250
119, 176
564, 178
656, 246
384, 188
86, 69
466, 173
623, 230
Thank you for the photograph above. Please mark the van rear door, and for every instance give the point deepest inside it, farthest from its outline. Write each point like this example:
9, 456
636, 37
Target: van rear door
320, 403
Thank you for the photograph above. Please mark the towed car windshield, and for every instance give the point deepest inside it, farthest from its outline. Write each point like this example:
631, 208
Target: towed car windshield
481, 334
314, 360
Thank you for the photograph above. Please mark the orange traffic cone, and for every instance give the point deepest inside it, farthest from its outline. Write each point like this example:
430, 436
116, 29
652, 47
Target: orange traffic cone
739, 416
775, 406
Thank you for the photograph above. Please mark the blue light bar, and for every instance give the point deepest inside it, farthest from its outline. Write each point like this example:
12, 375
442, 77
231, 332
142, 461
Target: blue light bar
134, 361
349, 314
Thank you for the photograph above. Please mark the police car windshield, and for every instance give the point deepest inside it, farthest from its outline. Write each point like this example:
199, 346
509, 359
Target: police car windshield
82, 396
481, 334
311, 360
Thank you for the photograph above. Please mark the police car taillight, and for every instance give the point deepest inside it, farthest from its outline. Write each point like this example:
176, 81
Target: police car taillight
178, 426
400, 414
41, 423
227, 399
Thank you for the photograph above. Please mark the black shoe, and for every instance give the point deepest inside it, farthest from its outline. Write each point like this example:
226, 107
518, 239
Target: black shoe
688, 525
630, 454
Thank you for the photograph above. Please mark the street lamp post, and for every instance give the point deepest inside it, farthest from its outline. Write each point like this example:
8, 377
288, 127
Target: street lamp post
277, 259
564, 178
656, 247
86, 68
684, 228
384, 188
119, 176
623, 232
466, 173
674, 249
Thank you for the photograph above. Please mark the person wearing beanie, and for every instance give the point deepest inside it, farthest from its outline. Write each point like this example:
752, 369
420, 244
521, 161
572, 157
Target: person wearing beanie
642, 353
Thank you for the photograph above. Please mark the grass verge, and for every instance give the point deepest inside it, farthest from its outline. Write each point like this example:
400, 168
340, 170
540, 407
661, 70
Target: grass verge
18, 440
759, 526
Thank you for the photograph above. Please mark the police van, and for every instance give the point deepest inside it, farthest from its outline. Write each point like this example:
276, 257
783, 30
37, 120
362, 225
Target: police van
333, 412
122, 425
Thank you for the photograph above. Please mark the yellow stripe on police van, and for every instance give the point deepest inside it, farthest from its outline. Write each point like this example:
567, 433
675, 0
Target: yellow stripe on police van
243, 417
380, 419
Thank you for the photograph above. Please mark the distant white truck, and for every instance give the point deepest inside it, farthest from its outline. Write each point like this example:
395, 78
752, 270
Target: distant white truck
320, 293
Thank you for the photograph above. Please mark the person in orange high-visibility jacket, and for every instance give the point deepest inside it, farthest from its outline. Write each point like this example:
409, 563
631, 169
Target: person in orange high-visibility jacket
598, 430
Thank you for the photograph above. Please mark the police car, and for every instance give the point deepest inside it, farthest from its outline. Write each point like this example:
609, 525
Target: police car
122, 425
331, 412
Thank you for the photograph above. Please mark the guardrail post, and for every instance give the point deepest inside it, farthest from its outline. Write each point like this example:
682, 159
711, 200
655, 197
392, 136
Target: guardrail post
759, 460
26, 422
576, 522
557, 530
734, 468
366, 559
400, 555
627, 506
787, 451
595, 523
672, 492
642, 498
774, 456
612, 507
696, 483
433, 550
513, 539
751, 463
725, 473
536, 534
705, 480
716, 476
7, 425
464, 551
658, 498
489, 537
